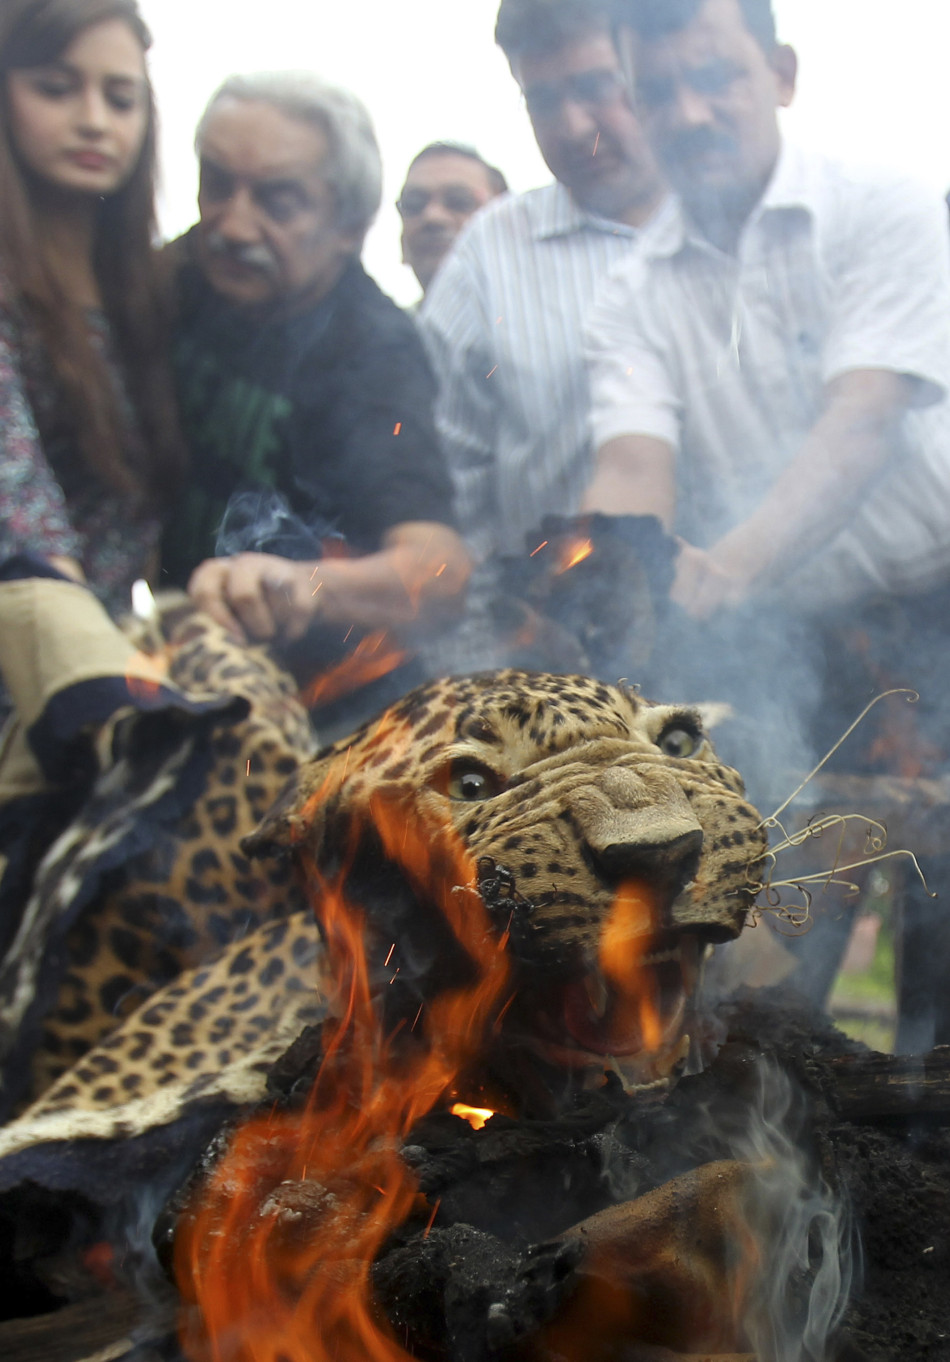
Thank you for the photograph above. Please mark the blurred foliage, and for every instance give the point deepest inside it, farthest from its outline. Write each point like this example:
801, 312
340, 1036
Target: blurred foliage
864, 1005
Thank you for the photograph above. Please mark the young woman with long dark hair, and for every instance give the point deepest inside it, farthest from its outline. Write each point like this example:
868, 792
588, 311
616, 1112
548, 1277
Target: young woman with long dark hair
88, 447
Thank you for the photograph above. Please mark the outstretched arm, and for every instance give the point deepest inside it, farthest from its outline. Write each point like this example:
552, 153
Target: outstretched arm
807, 505
635, 475
414, 583
810, 500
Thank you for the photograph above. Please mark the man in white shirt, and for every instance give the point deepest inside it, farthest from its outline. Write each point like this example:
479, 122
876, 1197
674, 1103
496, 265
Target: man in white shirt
503, 318
769, 379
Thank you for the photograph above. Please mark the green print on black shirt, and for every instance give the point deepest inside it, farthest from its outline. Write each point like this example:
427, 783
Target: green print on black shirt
237, 431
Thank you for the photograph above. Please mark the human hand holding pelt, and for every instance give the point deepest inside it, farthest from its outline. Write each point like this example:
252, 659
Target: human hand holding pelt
414, 580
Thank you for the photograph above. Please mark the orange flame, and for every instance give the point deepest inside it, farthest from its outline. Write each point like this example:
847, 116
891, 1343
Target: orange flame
477, 1117
145, 674
376, 655
625, 941
574, 552
276, 1260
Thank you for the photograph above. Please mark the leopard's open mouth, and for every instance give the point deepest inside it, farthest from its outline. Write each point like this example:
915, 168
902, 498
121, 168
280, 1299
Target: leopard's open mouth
636, 1029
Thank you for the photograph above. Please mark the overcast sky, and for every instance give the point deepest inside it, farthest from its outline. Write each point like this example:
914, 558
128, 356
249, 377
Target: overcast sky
873, 85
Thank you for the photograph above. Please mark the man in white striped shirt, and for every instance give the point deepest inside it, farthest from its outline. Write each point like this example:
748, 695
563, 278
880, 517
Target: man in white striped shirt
504, 317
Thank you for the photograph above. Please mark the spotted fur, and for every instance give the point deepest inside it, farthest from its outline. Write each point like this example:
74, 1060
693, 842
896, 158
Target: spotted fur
558, 787
192, 892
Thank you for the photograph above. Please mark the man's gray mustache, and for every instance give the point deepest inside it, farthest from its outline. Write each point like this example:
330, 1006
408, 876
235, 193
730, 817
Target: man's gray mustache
254, 256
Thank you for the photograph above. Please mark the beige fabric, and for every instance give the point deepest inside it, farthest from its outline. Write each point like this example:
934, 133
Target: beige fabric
54, 634
20, 774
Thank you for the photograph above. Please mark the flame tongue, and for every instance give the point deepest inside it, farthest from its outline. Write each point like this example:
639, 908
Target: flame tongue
634, 1000
277, 1254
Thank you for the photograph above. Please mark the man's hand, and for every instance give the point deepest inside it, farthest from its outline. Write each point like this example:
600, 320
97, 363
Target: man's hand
414, 582
258, 596
709, 580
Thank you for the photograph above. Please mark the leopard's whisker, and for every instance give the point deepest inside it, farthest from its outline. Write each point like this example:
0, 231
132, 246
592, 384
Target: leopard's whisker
912, 698
827, 878
876, 832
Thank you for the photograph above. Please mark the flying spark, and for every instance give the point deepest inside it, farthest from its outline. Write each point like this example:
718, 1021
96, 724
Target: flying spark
538, 549
435, 1212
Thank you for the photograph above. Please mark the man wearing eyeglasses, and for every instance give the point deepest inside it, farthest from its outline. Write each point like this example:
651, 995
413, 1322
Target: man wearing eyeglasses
772, 382
504, 316
445, 184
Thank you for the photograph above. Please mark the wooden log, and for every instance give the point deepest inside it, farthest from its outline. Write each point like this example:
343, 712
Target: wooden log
100, 1328
877, 1087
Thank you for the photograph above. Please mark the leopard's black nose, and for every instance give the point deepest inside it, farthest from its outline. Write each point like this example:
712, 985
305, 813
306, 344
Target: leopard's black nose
669, 864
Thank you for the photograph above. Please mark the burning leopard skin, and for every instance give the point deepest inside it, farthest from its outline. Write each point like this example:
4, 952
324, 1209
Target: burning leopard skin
560, 790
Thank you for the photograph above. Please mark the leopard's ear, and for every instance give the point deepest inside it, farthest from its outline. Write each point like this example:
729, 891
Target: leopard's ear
300, 813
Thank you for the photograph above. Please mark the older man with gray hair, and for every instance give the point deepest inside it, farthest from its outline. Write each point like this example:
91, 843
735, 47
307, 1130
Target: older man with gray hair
305, 394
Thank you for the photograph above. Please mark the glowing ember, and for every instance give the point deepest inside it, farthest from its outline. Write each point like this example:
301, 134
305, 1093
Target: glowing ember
144, 675
575, 552
475, 1116
277, 1256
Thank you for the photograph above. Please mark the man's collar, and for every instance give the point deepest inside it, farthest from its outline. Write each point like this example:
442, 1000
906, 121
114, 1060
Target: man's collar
792, 185
560, 215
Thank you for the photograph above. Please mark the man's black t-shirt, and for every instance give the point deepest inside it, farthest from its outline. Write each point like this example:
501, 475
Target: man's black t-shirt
330, 407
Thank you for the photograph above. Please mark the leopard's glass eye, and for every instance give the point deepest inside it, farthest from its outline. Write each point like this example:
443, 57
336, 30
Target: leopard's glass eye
471, 781
678, 741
